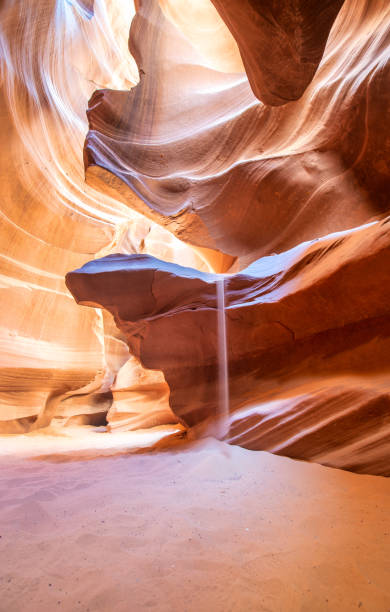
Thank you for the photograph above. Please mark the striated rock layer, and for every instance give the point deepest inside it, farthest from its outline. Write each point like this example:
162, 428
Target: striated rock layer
281, 42
59, 362
52, 354
308, 343
256, 132
192, 148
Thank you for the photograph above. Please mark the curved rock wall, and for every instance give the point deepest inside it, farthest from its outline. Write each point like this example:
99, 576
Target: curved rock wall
58, 360
308, 179
257, 133
308, 343
281, 42
193, 142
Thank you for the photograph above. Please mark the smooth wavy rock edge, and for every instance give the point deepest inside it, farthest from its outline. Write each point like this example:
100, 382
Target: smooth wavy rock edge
193, 149
281, 42
308, 343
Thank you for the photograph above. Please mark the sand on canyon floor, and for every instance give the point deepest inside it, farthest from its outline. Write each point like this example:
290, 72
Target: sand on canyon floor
203, 527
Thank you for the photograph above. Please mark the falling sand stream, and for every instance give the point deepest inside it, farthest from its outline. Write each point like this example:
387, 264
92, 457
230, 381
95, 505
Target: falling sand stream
223, 366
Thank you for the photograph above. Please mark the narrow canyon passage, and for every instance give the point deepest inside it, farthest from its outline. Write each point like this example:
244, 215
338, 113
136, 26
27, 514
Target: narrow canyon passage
195, 305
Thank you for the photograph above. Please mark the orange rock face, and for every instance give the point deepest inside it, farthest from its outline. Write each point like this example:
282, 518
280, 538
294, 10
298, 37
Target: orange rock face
281, 42
254, 143
222, 170
308, 343
60, 362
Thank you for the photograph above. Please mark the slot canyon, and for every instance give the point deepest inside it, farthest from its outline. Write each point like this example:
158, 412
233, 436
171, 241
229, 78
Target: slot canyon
195, 312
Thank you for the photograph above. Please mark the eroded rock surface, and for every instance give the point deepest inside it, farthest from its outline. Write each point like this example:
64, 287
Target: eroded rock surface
259, 186
59, 361
308, 343
222, 170
281, 42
